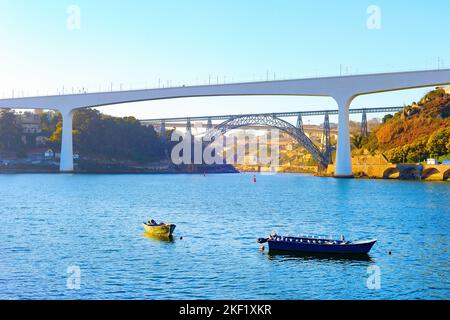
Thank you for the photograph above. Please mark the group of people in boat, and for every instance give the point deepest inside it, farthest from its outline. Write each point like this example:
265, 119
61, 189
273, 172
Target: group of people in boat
275, 237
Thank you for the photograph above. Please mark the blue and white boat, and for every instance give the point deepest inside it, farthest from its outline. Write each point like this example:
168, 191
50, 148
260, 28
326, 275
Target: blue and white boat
317, 245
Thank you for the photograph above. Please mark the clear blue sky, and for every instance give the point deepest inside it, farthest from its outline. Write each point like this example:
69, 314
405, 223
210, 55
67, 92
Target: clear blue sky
135, 43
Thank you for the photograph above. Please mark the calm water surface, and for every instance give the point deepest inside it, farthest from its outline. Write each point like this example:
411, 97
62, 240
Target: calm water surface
51, 222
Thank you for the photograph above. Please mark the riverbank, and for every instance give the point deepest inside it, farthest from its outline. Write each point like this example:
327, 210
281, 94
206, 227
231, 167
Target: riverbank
95, 168
278, 169
387, 171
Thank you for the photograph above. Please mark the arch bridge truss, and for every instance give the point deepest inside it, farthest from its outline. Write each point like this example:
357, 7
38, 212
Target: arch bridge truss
322, 155
270, 121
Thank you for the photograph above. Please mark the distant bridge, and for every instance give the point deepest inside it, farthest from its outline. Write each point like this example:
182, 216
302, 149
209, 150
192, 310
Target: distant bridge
276, 114
322, 156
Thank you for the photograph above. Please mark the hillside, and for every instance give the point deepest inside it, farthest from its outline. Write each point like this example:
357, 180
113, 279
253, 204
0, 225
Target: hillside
96, 136
418, 131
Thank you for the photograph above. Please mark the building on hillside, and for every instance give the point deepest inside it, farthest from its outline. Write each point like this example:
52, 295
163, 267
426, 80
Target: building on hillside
432, 161
37, 154
31, 122
49, 154
31, 127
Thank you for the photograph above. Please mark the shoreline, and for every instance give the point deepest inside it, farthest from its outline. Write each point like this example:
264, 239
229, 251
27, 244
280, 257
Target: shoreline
121, 169
387, 171
181, 172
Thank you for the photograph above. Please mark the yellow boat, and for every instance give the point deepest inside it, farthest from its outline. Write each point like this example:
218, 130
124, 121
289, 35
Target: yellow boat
164, 230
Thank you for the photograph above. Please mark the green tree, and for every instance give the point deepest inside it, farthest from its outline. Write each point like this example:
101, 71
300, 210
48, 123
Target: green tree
102, 137
438, 142
11, 132
357, 141
387, 117
371, 143
397, 155
417, 151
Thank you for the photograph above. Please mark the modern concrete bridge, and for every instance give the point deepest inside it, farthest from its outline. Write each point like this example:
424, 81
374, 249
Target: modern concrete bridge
342, 89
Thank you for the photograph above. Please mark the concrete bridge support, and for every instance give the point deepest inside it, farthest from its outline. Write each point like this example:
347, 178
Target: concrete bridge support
343, 153
66, 161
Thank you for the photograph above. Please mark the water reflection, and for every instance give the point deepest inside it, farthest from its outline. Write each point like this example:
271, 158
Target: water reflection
291, 256
169, 239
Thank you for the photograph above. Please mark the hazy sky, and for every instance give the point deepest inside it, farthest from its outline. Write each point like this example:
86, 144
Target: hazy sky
136, 44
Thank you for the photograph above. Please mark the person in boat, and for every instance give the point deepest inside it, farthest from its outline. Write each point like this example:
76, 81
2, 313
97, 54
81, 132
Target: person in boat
153, 223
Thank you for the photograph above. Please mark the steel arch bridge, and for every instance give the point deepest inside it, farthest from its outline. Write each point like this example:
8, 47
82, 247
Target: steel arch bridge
271, 121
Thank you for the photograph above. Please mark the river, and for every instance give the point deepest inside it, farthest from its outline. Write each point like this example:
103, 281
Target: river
52, 224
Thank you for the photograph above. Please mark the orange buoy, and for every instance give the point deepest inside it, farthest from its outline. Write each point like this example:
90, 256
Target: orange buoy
263, 248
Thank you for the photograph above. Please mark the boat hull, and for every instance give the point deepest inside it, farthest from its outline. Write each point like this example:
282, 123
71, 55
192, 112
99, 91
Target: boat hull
296, 246
160, 231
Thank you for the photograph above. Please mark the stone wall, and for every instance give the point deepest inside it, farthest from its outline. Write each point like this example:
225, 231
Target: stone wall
439, 172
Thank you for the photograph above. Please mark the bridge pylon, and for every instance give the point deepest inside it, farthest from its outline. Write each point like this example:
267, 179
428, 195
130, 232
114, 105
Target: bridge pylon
364, 127
300, 123
326, 140
162, 132
209, 128
189, 127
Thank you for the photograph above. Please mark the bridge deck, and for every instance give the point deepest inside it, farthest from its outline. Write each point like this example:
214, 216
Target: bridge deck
276, 114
